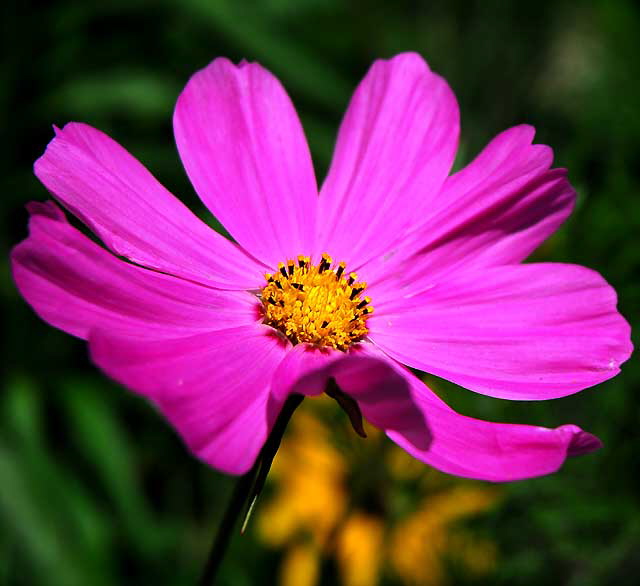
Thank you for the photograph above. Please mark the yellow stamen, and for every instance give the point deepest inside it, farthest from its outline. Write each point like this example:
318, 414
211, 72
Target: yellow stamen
316, 304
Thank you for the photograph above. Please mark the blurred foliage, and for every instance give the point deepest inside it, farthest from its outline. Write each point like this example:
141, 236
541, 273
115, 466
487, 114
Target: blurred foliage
95, 488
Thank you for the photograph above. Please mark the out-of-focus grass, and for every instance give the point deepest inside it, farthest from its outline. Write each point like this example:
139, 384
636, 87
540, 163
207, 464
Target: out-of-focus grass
95, 487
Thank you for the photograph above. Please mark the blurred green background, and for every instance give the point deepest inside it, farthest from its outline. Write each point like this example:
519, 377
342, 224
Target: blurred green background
96, 489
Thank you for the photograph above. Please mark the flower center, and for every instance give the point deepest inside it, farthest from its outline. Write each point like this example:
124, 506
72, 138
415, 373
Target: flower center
316, 304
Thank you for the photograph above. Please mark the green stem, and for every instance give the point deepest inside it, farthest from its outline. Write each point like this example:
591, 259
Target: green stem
246, 491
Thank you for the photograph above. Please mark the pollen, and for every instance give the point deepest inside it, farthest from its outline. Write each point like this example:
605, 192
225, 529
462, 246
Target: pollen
316, 303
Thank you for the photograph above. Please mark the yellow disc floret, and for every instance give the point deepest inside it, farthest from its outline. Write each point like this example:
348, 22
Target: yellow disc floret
316, 304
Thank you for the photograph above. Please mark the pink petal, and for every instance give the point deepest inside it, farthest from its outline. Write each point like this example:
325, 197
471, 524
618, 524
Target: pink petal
533, 331
76, 285
112, 192
496, 211
395, 148
393, 399
245, 152
305, 370
213, 387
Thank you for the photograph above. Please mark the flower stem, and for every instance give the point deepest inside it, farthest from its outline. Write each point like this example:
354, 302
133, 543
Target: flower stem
247, 490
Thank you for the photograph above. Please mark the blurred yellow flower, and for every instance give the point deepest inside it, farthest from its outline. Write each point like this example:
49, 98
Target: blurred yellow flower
406, 526
358, 548
310, 474
301, 566
420, 542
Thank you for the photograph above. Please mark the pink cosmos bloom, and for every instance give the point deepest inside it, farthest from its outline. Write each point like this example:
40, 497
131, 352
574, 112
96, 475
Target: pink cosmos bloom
193, 323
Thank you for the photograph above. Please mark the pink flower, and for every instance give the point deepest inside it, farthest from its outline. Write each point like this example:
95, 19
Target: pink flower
192, 323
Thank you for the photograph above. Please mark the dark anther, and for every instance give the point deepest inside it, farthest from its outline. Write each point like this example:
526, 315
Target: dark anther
361, 304
291, 267
278, 284
298, 286
325, 323
339, 271
270, 300
350, 281
283, 271
301, 263
355, 292
348, 404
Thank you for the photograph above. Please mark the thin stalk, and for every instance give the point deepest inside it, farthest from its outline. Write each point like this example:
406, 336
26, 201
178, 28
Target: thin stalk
246, 492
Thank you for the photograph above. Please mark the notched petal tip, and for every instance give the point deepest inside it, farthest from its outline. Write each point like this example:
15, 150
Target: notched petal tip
526, 131
48, 209
60, 140
407, 59
582, 442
